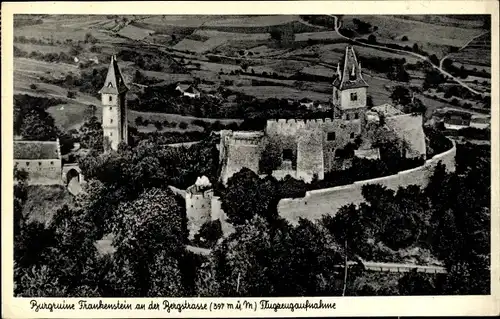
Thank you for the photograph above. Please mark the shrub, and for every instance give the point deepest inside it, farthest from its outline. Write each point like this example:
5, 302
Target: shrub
183, 125
139, 121
33, 86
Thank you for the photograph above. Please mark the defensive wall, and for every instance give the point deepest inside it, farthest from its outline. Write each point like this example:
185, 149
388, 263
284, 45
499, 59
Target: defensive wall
327, 201
238, 150
332, 134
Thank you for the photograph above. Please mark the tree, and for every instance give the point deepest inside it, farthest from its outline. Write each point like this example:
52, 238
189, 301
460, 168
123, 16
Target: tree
149, 237
415, 48
38, 126
247, 195
372, 39
434, 59
269, 160
210, 232
275, 260
138, 77
350, 233
138, 121
415, 284
20, 197
91, 135
401, 95
404, 38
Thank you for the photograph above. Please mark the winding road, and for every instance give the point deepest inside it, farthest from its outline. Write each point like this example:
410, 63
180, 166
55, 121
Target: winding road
338, 24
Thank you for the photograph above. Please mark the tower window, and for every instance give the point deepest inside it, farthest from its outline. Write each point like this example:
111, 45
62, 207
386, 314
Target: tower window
110, 133
51, 163
27, 163
352, 135
110, 98
111, 121
354, 96
287, 154
330, 136
347, 116
111, 108
356, 115
39, 163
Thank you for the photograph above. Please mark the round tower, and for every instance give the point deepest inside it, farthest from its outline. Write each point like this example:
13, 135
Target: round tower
198, 204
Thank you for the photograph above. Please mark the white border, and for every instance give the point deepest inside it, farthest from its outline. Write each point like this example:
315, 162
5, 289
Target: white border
345, 306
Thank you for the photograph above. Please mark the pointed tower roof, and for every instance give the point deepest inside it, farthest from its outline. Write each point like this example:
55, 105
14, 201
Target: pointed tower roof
114, 83
349, 75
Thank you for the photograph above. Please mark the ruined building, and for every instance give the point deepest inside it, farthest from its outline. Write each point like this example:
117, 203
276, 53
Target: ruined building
307, 149
40, 159
114, 106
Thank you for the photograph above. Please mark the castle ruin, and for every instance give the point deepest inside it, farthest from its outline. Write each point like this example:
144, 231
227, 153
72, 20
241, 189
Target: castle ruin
308, 149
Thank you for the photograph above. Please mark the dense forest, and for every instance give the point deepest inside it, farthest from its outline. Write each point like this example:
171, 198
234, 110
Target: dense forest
127, 196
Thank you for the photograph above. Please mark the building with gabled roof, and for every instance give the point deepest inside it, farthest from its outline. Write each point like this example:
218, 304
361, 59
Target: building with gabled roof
188, 90
40, 159
114, 107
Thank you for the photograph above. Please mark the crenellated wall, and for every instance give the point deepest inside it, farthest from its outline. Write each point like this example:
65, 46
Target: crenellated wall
327, 201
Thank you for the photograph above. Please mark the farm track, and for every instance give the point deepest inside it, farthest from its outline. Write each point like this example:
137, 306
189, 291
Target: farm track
463, 47
419, 56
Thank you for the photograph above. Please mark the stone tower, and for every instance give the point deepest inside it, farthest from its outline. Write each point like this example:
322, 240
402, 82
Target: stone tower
349, 88
114, 107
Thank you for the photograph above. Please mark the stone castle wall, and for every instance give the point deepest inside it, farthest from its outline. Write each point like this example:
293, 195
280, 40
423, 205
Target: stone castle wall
327, 201
333, 134
42, 171
239, 150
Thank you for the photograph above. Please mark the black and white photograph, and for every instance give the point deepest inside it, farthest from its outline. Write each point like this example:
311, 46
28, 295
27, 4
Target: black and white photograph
272, 155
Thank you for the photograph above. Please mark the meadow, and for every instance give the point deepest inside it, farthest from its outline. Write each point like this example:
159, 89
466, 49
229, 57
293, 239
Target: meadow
255, 45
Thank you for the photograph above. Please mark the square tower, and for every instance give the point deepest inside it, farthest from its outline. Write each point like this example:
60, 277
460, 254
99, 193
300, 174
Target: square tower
349, 88
114, 107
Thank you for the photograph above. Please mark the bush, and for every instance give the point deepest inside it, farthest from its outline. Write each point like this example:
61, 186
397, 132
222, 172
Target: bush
159, 125
71, 94
404, 38
183, 125
33, 86
139, 121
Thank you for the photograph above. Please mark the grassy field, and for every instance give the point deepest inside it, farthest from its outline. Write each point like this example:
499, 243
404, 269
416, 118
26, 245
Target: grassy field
232, 35
57, 29
280, 92
199, 46
429, 36
252, 21
476, 53
322, 35
237, 40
